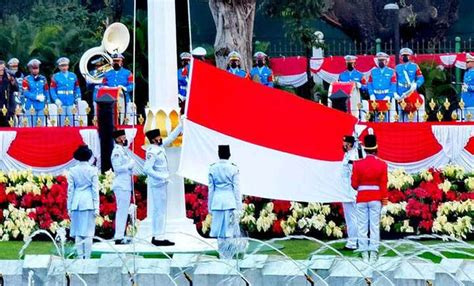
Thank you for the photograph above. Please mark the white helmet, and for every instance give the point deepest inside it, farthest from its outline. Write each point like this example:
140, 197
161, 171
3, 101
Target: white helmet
199, 52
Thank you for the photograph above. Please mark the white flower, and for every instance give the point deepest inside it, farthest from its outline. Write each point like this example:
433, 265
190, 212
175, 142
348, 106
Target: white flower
445, 186
426, 175
406, 227
387, 222
453, 171
206, 224
266, 218
302, 223
469, 182
318, 221
337, 232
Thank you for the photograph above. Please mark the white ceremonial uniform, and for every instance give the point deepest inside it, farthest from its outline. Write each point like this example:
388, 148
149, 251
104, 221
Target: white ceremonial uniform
350, 208
122, 165
224, 198
156, 168
82, 205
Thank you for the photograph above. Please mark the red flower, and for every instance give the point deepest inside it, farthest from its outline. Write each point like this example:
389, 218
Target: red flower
3, 195
281, 207
426, 225
396, 196
276, 227
12, 199
451, 196
189, 214
190, 198
466, 196
27, 201
61, 180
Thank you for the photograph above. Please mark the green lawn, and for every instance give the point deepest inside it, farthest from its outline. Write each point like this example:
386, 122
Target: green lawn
296, 249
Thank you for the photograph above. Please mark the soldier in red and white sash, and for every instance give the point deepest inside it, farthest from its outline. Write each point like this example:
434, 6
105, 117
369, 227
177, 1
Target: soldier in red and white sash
369, 179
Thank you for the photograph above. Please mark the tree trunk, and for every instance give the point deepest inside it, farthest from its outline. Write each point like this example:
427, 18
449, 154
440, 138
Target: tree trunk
234, 29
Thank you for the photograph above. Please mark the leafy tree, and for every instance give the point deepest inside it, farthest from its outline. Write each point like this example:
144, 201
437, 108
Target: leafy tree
234, 21
299, 17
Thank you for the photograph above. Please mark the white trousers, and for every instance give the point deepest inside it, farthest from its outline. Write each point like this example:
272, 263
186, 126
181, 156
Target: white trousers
368, 218
350, 215
83, 247
123, 203
160, 201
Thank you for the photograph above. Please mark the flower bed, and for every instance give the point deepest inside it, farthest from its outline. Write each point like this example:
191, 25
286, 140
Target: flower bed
434, 201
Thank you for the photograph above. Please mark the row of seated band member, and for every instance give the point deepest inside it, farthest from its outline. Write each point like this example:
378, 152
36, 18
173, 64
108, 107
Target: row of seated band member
388, 95
30, 100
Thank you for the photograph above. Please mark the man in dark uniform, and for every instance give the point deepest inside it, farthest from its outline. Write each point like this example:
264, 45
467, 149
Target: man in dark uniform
8, 86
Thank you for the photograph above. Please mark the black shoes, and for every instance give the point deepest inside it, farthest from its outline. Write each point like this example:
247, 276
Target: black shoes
165, 242
121, 241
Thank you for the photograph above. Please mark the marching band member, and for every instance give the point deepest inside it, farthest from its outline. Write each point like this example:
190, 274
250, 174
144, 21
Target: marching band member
83, 201
409, 79
224, 200
233, 65
199, 53
97, 72
352, 74
122, 165
467, 94
183, 74
65, 90
261, 72
36, 92
123, 78
382, 81
369, 178
183, 79
156, 168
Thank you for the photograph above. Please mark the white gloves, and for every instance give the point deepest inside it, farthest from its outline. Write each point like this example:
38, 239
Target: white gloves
358, 84
123, 87
396, 96
58, 102
131, 164
131, 209
372, 97
40, 98
387, 98
464, 87
183, 117
413, 86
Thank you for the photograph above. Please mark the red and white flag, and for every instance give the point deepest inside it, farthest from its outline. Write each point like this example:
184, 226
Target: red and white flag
285, 147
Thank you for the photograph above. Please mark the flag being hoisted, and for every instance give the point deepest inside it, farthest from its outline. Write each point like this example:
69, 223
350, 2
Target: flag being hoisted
286, 147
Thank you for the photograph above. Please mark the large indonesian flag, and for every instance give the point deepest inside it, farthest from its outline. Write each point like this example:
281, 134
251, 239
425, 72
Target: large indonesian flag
285, 147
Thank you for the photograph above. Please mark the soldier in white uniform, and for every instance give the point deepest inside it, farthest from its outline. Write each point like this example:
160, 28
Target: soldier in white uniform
156, 168
122, 165
224, 200
83, 201
351, 154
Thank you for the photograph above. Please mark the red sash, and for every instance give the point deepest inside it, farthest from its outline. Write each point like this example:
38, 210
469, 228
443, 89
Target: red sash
411, 101
381, 105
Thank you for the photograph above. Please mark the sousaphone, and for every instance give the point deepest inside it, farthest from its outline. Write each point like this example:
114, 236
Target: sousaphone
97, 61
